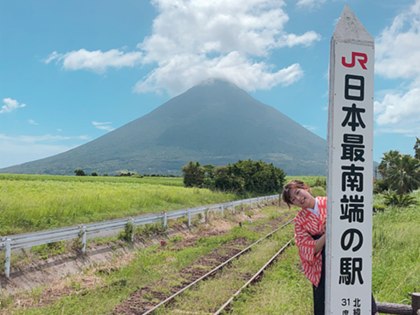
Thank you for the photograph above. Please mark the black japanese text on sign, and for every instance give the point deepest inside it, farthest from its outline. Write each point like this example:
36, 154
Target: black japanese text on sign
350, 133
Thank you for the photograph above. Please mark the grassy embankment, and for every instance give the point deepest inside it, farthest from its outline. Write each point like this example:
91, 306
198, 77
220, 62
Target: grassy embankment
99, 290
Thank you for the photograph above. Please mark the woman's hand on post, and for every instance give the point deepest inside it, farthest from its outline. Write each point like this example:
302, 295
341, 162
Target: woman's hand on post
319, 244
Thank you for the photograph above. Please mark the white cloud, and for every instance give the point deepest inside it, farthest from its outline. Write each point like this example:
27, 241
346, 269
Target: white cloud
20, 149
398, 46
311, 128
309, 3
397, 57
33, 122
306, 39
196, 40
53, 56
97, 60
103, 125
10, 105
399, 112
249, 27
184, 71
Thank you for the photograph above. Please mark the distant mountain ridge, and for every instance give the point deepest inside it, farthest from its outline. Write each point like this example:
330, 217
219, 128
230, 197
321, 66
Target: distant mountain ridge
214, 123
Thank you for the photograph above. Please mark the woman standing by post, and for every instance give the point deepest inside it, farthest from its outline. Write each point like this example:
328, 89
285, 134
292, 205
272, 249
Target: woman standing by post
310, 236
310, 224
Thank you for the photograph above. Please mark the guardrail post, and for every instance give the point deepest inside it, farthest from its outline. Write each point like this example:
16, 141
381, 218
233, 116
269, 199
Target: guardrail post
189, 217
165, 220
415, 303
84, 239
8, 251
132, 232
81, 231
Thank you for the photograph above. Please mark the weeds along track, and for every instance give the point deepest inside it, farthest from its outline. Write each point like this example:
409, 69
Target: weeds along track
236, 270
253, 279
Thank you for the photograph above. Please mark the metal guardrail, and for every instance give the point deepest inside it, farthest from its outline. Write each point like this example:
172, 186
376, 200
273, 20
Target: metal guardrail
85, 231
402, 309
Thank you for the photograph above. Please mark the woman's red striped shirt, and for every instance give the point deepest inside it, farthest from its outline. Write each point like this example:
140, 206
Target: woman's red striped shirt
307, 225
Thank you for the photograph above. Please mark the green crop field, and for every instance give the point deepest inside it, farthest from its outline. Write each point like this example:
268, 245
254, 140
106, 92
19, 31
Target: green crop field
39, 202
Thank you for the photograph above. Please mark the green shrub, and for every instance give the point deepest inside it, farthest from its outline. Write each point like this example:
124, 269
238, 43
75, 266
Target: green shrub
321, 182
380, 186
79, 172
400, 172
225, 180
378, 208
46, 251
396, 200
193, 174
318, 191
246, 178
249, 178
149, 230
128, 232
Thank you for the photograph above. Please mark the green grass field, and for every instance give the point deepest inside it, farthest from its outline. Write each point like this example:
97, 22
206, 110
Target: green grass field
282, 290
395, 269
31, 203
39, 202
396, 253
312, 181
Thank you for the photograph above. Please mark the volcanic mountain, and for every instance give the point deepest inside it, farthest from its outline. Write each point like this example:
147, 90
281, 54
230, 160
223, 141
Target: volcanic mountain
213, 123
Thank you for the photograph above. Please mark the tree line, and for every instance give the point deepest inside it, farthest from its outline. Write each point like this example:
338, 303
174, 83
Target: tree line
400, 175
243, 177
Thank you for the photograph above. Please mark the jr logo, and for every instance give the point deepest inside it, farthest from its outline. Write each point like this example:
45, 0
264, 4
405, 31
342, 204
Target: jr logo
362, 58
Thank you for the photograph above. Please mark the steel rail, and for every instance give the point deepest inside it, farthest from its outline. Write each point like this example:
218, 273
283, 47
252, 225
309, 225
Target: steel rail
216, 269
253, 278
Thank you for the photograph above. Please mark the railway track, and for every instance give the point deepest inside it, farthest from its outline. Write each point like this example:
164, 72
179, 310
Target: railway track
251, 279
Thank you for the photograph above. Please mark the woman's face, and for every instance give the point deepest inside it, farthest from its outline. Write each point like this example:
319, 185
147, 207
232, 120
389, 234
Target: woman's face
302, 198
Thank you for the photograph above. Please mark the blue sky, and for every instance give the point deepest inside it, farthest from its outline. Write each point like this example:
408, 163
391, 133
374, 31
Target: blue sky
71, 71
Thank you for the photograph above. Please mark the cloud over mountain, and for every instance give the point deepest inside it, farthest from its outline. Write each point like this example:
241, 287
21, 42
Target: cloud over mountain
195, 40
397, 57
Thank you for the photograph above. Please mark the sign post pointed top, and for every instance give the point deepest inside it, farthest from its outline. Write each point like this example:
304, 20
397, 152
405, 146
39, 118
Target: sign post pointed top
348, 271
349, 29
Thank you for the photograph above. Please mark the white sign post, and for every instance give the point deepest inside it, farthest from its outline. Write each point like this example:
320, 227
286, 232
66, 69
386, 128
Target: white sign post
350, 170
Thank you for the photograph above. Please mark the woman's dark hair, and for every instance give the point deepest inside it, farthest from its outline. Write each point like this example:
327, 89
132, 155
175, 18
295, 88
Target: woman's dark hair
292, 185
